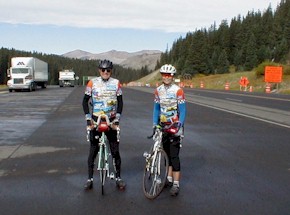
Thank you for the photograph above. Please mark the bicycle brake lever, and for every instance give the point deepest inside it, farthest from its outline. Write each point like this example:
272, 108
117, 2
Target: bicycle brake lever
150, 137
117, 123
154, 130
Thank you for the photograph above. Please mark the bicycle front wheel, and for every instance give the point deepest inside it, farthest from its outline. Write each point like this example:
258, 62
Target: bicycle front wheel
103, 175
102, 168
155, 174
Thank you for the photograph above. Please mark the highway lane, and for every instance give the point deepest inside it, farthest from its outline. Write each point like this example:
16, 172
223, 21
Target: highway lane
271, 109
272, 100
230, 164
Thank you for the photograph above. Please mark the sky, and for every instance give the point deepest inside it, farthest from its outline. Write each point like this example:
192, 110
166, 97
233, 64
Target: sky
97, 26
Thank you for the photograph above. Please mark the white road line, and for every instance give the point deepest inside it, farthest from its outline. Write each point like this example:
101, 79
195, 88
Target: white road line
241, 114
235, 100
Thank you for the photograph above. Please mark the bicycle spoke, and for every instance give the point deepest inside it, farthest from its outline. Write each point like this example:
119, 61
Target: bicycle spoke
104, 175
101, 168
155, 175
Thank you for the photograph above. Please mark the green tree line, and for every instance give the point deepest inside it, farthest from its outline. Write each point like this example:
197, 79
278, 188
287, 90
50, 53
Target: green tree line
242, 45
57, 63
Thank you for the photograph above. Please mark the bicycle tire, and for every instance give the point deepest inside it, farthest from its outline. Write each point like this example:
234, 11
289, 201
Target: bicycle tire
153, 183
102, 170
103, 176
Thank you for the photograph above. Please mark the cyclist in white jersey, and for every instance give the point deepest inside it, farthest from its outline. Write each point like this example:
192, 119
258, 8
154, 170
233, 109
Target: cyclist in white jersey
169, 107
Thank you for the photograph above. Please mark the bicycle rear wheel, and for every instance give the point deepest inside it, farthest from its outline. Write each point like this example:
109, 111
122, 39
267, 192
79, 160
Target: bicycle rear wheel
155, 175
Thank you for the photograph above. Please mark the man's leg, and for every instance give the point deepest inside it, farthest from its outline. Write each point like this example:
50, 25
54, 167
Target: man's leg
94, 148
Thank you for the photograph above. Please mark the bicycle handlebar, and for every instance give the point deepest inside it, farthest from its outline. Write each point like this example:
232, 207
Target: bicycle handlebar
166, 128
97, 123
103, 116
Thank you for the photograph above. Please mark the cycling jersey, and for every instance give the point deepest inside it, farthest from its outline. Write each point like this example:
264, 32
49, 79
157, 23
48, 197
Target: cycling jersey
105, 96
169, 104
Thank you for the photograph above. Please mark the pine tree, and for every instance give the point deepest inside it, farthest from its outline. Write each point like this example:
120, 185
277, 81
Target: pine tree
251, 53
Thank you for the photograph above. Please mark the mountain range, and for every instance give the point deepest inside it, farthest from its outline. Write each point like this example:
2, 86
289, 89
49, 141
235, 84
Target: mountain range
135, 60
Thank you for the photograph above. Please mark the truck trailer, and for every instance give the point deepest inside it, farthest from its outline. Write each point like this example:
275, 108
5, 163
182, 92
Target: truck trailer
66, 78
27, 73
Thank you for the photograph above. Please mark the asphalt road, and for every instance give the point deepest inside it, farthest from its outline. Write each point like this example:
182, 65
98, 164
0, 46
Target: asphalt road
231, 164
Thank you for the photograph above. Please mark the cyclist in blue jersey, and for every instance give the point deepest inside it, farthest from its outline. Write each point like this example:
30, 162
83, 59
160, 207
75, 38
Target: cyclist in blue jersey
104, 94
169, 107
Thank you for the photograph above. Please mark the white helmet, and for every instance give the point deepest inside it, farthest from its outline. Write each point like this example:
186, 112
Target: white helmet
168, 68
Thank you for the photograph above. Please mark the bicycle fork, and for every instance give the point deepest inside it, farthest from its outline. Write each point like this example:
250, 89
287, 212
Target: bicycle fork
154, 169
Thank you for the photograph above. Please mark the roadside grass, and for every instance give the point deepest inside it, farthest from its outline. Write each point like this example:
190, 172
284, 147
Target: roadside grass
3, 87
218, 81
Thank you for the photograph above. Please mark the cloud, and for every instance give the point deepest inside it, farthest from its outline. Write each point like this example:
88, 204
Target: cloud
167, 16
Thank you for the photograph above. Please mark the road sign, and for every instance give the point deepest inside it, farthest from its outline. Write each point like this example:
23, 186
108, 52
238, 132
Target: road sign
273, 74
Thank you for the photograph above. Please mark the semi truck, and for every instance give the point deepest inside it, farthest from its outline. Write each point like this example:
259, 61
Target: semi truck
27, 73
66, 78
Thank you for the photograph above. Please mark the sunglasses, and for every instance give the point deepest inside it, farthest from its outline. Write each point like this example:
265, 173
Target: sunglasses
104, 70
167, 75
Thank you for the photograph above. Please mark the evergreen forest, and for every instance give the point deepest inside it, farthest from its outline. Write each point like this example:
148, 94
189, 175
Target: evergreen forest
240, 45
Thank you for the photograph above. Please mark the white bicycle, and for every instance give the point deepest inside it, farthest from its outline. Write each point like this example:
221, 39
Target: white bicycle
156, 162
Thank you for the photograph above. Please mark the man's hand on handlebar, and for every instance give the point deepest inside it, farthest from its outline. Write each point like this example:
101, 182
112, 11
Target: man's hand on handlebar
116, 122
90, 125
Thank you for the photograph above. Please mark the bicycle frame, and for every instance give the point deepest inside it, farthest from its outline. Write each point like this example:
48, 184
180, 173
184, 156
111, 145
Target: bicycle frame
156, 147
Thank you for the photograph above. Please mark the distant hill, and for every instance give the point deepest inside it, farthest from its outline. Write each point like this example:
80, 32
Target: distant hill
134, 60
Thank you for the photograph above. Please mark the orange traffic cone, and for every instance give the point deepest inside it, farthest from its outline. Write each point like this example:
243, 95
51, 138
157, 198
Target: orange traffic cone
201, 84
268, 88
227, 86
251, 89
